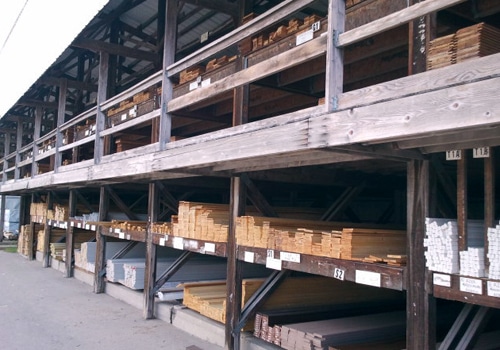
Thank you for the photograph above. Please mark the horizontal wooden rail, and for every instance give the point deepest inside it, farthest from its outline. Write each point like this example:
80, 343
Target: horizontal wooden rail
272, 16
79, 118
393, 20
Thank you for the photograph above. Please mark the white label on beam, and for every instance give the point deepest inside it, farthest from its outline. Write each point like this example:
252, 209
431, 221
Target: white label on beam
316, 26
442, 280
369, 278
87, 226
79, 225
162, 241
93, 227
494, 289
481, 152
206, 82
121, 235
210, 247
454, 155
249, 257
304, 37
272, 263
471, 285
72, 224
178, 243
291, 257
193, 86
339, 274
270, 253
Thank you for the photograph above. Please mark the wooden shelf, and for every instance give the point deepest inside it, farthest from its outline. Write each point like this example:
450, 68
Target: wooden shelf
472, 290
379, 275
129, 235
193, 245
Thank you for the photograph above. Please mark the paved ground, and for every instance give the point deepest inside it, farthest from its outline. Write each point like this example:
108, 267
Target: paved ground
40, 309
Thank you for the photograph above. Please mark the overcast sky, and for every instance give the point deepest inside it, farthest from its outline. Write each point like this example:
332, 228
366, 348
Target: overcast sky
44, 28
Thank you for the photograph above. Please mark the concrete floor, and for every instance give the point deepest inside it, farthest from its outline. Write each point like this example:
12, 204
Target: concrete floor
40, 309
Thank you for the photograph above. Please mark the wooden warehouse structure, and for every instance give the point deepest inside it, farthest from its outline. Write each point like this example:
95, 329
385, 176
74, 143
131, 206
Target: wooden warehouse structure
369, 112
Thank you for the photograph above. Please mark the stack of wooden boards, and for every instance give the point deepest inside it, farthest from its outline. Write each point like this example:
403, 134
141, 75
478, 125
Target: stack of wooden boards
58, 213
56, 236
475, 41
129, 141
130, 108
38, 211
328, 239
138, 226
201, 221
24, 242
209, 298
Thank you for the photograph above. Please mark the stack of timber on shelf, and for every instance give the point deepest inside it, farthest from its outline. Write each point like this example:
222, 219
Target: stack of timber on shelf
38, 212
128, 141
23, 242
139, 226
140, 104
57, 251
319, 238
201, 221
320, 335
442, 254
68, 136
494, 252
59, 213
55, 236
83, 131
475, 41
209, 298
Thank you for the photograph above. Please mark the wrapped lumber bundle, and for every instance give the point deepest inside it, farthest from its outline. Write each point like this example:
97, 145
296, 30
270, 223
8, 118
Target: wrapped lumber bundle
24, 243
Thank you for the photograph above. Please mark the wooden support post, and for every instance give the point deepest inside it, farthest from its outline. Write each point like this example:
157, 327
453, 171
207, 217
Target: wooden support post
31, 248
2, 216
19, 145
462, 202
169, 44
36, 136
334, 54
6, 153
70, 235
61, 112
100, 255
234, 280
48, 231
420, 304
489, 201
150, 270
100, 144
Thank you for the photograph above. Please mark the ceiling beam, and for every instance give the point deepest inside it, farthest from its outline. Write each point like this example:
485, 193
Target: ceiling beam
72, 84
222, 6
114, 49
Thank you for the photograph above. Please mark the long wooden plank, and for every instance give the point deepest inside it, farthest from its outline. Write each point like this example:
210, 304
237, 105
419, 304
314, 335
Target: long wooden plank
393, 20
280, 62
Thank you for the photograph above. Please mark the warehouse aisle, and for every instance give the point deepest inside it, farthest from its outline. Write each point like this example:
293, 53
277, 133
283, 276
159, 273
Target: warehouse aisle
40, 309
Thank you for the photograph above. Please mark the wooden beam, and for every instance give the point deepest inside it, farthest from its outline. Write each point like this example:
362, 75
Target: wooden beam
37, 103
100, 257
257, 198
420, 306
393, 20
114, 49
280, 62
462, 205
223, 6
151, 258
334, 55
70, 239
489, 199
72, 84
48, 231
61, 113
100, 141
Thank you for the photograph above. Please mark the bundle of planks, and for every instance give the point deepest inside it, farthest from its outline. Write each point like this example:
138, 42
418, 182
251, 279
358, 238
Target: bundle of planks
139, 226
475, 41
38, 209
164, 228
219, 62
321, 238
24, 242
209, 298
56, 236
358, 244
319, 335
57, 251
494, 252
191, 73
202, 221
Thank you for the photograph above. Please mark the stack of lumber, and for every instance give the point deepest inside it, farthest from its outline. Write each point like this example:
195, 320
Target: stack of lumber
358, 244
209, 298
319, 335
38, 209
494, 252
60, 212
55, 236
441, 241
472, 262
57, 251
389, 259
219, 62
191, 73
68, 136
475, 41
129, 225
201, 221
164, 228
24, 243
127, 107
126, 142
